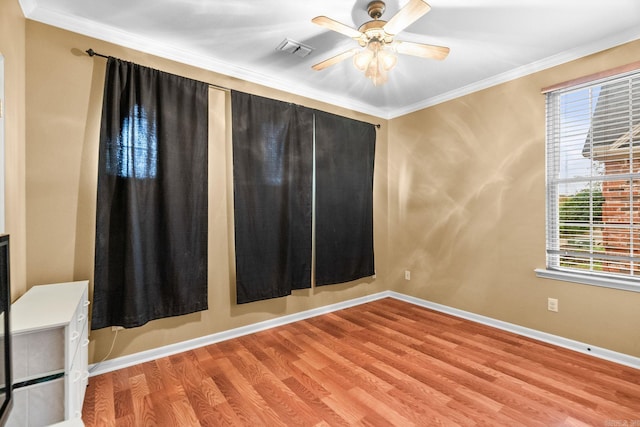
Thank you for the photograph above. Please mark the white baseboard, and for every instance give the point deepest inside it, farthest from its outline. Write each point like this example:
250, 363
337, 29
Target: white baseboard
168, 350
599, 352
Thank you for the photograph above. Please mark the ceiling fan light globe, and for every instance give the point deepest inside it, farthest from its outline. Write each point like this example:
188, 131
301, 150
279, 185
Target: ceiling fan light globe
362, 59
387, 60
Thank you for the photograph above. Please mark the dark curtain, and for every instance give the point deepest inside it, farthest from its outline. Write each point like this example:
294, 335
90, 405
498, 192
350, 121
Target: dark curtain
272, 183
345, 151
151, 226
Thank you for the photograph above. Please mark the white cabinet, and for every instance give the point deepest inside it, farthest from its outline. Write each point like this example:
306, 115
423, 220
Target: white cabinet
50, 361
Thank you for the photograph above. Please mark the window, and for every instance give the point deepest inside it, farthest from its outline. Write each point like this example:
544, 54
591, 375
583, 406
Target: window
134, 154
593, 181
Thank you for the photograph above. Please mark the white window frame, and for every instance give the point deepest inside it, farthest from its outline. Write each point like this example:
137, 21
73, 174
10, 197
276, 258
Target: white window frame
555, 269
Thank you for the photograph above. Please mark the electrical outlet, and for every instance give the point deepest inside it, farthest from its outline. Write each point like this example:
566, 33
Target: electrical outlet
552, 304
407, 275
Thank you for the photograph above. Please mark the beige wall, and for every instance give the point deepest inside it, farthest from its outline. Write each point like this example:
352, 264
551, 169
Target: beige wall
64, 95
459, 200
467, 211
12, 47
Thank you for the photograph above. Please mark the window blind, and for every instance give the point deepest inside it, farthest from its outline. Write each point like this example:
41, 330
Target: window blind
593, 177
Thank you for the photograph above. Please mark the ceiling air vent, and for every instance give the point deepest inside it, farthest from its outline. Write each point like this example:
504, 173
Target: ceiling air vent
294, 48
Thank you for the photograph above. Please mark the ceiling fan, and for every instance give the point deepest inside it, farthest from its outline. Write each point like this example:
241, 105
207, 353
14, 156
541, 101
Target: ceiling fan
377, 37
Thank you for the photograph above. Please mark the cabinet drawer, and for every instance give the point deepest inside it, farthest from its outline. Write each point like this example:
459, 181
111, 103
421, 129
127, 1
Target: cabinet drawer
38, 353
48, 397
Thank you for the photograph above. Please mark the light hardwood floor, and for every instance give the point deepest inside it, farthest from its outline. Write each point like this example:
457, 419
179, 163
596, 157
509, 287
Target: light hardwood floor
382, 363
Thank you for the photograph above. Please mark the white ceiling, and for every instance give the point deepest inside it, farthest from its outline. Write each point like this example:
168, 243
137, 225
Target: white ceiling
491, 41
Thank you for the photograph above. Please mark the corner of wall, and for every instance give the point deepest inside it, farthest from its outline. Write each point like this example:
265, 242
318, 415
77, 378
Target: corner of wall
13, 47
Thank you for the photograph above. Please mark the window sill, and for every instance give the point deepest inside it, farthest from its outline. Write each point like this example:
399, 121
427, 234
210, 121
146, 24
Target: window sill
586, 279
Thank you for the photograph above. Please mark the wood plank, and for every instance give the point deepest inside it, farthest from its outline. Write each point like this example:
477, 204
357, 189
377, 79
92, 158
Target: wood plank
102, 405
382, 363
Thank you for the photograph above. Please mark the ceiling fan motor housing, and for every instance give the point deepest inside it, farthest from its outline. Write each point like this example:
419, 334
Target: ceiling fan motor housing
373, 30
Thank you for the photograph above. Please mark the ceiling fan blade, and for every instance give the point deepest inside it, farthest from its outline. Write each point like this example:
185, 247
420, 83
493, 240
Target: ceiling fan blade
406, 16
421, 50
336, 26
334, 60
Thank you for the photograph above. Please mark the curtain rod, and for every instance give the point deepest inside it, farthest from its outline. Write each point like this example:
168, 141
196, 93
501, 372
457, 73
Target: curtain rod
92, 52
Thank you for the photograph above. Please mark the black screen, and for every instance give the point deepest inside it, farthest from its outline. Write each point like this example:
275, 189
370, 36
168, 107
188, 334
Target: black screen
6, 400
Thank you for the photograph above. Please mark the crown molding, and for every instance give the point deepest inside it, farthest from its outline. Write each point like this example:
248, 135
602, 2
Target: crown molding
522, 71
117, 36
28, 6
89, 28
